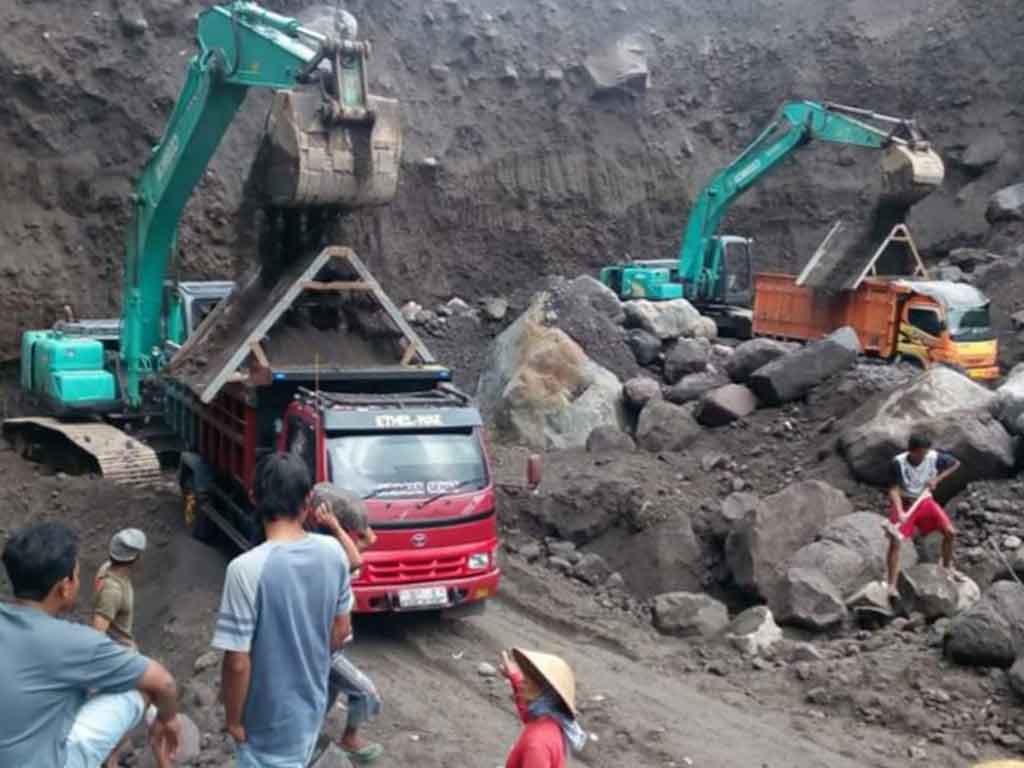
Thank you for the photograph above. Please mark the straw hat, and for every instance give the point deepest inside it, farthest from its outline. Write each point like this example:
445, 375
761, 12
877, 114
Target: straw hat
551, 670
1001, 764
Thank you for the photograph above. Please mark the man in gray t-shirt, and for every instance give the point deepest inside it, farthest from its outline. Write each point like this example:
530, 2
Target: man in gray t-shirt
284, 610
49, 667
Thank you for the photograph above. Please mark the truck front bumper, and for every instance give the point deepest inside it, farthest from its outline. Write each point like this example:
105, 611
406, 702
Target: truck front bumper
471, 589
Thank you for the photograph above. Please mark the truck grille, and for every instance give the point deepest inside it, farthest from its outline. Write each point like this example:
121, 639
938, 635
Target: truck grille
411, 571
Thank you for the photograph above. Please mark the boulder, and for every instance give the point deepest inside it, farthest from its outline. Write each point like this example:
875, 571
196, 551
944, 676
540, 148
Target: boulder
609, 439
1009, 403
864, 533
754, 354
950, 407
844, 567
726, 404
792, 376
494, 308
666, 557
587, 505
686, 357
540, 389
759, 546
810, 600
991, 634
622, 66
1006, 205
592, 569
691, 387
873, 597
984, 152
968, 593
929, 589
706, 329
638, 391
685, 614
645, 345
591, 315
666, 427
1015, 677
734, 508
664, 319
754, 631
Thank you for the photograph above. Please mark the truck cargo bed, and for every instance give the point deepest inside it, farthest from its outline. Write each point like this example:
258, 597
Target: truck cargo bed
324, 316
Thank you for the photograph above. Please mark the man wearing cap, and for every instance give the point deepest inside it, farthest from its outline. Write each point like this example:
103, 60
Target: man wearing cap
544, 691
113, 602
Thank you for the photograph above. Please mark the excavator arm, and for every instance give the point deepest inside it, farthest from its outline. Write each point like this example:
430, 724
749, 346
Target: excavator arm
243, 46
911, 170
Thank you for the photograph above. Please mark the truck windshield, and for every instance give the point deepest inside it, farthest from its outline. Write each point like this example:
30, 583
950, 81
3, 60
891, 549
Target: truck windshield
970, 323
405, 465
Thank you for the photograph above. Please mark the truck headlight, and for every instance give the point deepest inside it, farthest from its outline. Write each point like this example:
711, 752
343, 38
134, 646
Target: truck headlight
478, 562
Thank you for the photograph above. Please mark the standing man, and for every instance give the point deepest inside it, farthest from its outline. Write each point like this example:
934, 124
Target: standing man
113, 599
344, 516
284, 611
113, 602
49, 667
916, 473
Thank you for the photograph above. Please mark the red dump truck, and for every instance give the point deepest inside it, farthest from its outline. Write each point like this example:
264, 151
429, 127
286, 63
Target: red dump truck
323, 365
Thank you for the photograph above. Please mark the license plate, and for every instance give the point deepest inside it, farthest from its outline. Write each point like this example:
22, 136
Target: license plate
424, 597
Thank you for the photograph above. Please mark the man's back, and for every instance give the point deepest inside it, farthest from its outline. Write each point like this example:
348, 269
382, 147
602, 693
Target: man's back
280, 601
47, 666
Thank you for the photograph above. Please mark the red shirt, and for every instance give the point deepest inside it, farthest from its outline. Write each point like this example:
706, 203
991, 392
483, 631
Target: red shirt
541, 743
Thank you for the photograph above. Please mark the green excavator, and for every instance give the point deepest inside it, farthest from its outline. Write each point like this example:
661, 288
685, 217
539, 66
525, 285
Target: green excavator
329, 147
714, 271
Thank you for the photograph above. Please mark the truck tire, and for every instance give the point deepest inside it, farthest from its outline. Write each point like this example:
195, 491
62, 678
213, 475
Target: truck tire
193, 506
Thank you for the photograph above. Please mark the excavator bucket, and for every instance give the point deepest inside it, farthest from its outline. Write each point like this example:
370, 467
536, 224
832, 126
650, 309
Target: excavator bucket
910, 173
314, 160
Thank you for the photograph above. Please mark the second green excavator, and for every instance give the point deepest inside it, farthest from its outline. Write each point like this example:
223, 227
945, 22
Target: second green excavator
714, 271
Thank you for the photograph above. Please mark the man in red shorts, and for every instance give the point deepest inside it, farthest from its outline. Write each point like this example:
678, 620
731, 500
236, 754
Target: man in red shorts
915, 474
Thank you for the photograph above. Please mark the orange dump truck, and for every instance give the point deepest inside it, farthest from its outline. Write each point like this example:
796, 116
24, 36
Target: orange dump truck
919, 321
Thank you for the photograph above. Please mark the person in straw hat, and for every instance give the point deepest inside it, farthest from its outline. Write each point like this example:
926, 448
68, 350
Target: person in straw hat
544, 691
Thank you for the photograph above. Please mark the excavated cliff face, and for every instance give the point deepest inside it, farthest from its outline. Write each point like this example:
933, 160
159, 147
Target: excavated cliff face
540, 137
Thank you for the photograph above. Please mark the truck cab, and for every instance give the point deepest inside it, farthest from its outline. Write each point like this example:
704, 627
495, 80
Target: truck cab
420, 463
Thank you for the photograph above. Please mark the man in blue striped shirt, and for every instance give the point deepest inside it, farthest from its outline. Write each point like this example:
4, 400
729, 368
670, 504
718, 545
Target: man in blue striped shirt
285, 608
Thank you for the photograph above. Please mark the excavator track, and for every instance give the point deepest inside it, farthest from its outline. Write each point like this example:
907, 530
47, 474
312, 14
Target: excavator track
113, 453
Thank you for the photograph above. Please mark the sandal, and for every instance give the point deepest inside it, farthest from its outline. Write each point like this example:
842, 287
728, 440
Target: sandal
364, 756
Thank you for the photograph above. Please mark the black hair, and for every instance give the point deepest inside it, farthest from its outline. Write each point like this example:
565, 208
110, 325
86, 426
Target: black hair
38, 557
919, 442
281, 486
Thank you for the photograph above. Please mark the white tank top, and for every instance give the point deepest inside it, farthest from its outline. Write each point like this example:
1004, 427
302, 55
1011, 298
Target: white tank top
914, 480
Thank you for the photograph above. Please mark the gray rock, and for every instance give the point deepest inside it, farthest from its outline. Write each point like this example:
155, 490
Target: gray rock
937, 633
1006, 205
332, 757
1009, 403
754, 631
724, 405
1015, 677
560, 564
930, 590
810, 600
844, 567
609, 439
706, 329
539, 387
510, 74
792, 376
588, 505
621, 66
531, 552
664, 319
439, 71
563, 549
759, 546
663, 426
754, 354
666, 557
685, 614
638, 391
206, 661
486, 669
806, 652
864, 533
692, 387
553, 75
645, 345
494, 308
734, 508
954, 410
199, 694
593, 569
991, 634
984, 151
686, 357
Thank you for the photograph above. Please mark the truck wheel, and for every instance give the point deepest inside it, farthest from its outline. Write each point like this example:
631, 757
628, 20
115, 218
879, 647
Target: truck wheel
193, 507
